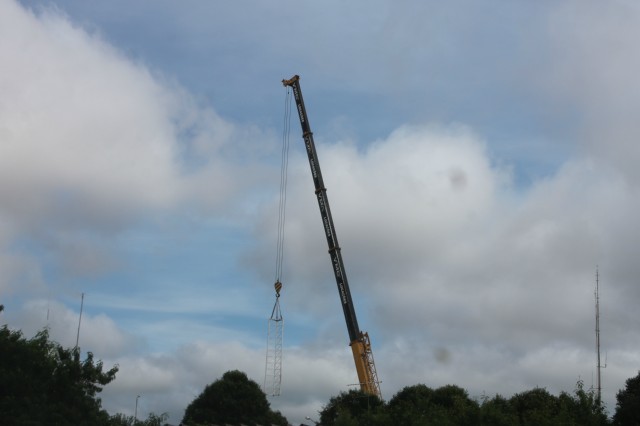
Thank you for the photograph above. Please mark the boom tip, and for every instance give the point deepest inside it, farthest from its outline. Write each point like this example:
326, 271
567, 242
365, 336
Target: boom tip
291, 80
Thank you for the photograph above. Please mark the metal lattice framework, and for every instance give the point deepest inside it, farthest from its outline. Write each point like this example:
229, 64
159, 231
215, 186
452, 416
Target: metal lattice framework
273, 363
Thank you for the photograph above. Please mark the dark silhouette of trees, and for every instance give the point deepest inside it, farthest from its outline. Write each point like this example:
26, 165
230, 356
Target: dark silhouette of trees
232, 399
153, 420
535, 407
456, 406
421, 405
43, 383
450, 405
628, 403
539, 407
352, 408
411, 406
585, 406
498, 411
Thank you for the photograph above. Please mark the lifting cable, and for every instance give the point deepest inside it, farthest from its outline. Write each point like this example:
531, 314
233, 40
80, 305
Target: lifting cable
283, 189
273, 362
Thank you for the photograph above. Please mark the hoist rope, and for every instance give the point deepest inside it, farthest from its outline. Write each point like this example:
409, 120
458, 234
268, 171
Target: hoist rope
283, 184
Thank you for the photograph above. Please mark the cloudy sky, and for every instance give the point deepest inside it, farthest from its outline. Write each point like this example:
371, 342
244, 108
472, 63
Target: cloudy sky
480, 159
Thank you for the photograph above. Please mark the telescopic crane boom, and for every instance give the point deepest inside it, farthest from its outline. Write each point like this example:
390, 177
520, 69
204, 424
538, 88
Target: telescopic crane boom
359, 341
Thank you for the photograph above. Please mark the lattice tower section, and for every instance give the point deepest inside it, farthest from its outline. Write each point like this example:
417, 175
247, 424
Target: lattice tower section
273, 363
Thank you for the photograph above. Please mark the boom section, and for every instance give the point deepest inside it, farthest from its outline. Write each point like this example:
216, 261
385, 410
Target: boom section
359, 341
325, 213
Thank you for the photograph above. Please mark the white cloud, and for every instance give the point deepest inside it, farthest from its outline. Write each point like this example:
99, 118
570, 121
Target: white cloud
445, 255
98, 333
84, 127
596, 66
93, 143
459, 275
92, 139
170, 382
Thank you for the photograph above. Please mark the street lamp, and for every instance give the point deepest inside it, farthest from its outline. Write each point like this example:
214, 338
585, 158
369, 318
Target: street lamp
310, 419
135, 416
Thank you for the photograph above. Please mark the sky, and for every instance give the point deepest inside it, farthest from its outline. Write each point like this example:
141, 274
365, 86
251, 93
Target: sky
480, 159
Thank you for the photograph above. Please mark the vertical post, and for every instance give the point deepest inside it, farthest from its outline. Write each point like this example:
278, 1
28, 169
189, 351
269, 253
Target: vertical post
598, 377
79, 321
135, 415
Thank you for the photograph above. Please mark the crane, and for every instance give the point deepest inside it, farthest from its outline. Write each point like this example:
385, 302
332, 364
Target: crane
359, 341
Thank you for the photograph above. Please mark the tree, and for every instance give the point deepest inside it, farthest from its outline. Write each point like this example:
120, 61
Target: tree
458, 407
153, 420
497, 411
411, 406
628, 403
352, 408
420, 405
536, 407
43, 383
583, 408
232, 399
450, 405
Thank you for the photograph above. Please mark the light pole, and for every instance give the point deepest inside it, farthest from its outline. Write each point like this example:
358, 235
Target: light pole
135, 416
310, 419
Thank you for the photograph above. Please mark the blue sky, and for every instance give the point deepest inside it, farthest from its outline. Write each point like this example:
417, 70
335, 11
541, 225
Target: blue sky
480, 160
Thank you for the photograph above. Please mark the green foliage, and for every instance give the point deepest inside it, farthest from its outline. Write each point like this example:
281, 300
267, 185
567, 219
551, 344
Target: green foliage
498, 412
585, 407
628, 403
420, 405
536, 407
152, 420
232, 399
121, 420
456, 406
411, 406
352, 408
43, 383
539, 407
451, 405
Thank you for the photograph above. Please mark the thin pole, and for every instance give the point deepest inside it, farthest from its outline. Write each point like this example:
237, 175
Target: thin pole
79, 321
598, 376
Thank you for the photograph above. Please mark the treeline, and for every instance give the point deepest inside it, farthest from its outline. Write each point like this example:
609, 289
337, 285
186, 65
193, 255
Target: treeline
42, 383
420, 405
451, 405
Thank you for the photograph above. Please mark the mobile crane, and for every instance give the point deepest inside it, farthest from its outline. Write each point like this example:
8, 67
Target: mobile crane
359, 341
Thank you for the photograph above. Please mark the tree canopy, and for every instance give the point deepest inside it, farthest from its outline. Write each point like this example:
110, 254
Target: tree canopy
420, 405
43, 383
232, 399
450, 405
352, 408
153, 420
628, 403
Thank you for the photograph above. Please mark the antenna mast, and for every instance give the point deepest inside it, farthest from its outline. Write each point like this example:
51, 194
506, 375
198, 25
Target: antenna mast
599, 366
